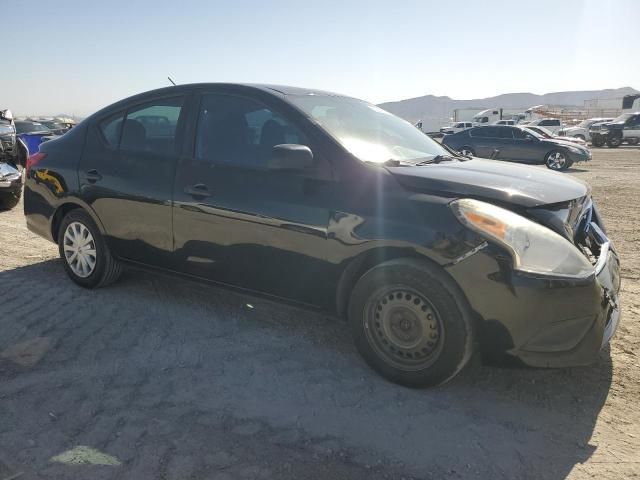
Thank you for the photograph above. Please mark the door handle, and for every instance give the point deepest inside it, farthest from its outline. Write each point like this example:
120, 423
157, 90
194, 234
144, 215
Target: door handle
93, 176
198, 190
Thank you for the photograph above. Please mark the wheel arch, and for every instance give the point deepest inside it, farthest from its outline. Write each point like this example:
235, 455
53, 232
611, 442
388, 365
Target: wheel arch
63, 209
374, 257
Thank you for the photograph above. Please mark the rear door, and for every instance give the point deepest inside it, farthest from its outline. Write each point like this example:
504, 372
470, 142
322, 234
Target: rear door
126, 175
239, 223
486, 141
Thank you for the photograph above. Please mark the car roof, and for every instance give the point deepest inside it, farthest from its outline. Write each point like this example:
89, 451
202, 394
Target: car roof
277, 90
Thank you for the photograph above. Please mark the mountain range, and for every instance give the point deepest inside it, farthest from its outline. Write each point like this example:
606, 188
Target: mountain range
435, 111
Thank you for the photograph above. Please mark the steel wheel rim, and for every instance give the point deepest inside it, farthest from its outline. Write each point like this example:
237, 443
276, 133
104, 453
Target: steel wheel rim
79, 249
404, 328
556, 160
615, 141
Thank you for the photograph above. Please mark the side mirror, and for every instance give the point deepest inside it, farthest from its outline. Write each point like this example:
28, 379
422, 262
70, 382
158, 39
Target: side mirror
6, 114
290, 156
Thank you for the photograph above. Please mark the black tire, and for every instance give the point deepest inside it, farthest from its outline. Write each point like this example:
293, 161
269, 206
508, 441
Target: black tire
633, 141
597, 142
551, 160
614, 142
581, 137
107, 269
414, 286
467, 151
9, 200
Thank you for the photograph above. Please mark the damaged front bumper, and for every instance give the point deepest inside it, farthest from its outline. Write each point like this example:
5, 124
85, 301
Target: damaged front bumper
543, 321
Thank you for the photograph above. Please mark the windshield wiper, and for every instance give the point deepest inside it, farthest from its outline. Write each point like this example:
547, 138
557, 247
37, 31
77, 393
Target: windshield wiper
438, 159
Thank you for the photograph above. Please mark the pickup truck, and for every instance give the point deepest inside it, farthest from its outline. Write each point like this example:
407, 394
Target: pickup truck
625, 128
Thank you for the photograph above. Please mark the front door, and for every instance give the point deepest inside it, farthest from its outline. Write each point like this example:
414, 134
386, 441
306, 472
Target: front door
126, 175
240, 223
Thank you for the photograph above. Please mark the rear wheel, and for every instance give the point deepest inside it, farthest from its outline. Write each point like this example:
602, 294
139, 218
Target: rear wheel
467, 152
557, 160
581, 137
633, 141
614, 142
85, 255
410, 323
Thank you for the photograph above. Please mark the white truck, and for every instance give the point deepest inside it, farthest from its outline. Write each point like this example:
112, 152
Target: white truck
582, 129
455, 127
552, 124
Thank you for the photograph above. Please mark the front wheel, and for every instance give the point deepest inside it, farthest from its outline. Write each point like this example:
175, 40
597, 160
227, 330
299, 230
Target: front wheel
614, 142
557, 160
410, 323
85, 255
597, 141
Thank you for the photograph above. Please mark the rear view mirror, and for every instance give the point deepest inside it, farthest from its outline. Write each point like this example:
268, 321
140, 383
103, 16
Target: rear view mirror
290, 156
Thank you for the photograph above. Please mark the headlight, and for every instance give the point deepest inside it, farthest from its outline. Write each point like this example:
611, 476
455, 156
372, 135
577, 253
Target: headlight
534, 248
573, 149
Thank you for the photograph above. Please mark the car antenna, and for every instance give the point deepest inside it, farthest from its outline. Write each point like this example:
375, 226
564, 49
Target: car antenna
174, 83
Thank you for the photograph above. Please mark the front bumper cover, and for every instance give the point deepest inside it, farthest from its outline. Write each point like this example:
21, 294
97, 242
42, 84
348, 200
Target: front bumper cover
542, 321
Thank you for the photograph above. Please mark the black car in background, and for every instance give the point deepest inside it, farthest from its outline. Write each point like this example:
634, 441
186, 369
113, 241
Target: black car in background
517, 144
336, 204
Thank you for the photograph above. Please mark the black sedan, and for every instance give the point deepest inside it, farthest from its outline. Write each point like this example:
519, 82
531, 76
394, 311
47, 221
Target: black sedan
517, 144
333, 203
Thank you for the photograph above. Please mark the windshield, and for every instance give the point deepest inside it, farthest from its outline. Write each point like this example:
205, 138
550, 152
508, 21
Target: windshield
27, 127
543, 132
368, 132
533, 133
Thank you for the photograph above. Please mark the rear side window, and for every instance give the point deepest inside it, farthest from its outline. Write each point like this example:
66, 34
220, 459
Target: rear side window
549, 123
152, 127
505, 133
488, 132
111, 127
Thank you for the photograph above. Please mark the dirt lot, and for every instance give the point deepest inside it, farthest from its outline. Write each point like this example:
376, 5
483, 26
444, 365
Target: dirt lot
166, 379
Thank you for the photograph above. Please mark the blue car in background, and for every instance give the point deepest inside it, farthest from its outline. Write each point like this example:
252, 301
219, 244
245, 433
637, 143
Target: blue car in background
32, 134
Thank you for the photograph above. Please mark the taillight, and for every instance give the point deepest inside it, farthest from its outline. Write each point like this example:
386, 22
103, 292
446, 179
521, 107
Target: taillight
35, 159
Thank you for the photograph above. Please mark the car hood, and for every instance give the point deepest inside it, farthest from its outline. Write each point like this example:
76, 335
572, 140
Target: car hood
492, 180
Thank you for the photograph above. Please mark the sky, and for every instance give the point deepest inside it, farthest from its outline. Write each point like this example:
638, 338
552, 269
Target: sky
76, 56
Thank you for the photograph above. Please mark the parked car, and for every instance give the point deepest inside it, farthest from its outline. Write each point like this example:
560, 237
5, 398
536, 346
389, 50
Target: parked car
57, 128
8, 150
597, 139
543, 132
334, 203
505, 122
552, 124
32, 134
517, 144
456, 127
10, 186
625, 128
582, 129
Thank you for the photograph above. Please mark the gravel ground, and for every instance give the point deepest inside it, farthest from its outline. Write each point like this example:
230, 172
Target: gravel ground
167, 379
